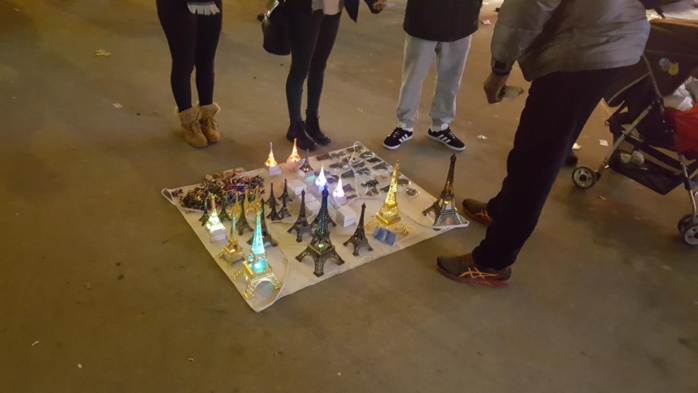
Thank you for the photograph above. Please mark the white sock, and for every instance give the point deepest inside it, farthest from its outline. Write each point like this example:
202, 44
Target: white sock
437, 128
404, 127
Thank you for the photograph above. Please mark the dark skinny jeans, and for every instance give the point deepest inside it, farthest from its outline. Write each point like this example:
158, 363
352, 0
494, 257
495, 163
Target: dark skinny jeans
193, 40
312, 37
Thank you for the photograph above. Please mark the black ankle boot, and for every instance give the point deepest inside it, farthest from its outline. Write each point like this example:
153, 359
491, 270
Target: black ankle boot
297, 131
312, 127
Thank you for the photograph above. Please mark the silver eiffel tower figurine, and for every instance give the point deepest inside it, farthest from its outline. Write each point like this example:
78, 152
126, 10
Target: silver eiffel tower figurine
444, 208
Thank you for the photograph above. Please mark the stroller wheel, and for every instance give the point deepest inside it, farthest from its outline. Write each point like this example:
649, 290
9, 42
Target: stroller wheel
584, 177
690, 235
685, 222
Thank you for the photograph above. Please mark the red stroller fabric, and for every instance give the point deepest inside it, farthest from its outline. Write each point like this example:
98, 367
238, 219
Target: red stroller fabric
686, 127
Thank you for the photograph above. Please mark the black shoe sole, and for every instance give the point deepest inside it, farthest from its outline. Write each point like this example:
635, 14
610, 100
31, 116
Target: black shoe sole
322, 142
446, 144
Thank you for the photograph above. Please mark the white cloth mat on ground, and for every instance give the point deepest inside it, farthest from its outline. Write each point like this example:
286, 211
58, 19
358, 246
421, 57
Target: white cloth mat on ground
296, 275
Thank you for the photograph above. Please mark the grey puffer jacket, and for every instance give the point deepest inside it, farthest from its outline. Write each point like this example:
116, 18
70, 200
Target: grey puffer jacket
547, 36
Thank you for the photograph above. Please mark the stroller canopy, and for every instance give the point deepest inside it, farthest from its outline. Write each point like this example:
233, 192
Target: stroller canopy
671, 56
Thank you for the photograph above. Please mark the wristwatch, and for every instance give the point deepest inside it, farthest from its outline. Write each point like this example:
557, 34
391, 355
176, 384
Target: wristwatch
500, 68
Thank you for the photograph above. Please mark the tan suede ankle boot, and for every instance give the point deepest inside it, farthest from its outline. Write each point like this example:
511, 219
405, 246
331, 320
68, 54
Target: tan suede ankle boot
192, 129
209, 126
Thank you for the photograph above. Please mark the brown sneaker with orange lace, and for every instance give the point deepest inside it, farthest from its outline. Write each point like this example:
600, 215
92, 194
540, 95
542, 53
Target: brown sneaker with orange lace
462, 268
477, 211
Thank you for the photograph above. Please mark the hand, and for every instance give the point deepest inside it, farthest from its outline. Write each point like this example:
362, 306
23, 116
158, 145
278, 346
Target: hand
494, 87
380, 5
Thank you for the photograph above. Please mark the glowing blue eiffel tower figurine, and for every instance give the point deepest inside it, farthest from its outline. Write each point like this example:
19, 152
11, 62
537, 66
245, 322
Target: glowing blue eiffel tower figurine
256, 269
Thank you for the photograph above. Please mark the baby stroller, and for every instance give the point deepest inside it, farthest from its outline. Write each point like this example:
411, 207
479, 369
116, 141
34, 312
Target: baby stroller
640, 126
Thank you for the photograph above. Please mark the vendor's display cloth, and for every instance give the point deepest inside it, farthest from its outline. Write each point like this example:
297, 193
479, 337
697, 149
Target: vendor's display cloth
366, 182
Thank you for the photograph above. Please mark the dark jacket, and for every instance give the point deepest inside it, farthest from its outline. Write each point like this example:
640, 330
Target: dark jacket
442, 20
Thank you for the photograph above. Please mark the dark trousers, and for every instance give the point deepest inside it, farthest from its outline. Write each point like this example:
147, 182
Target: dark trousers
193, 40
312, 37
556, 110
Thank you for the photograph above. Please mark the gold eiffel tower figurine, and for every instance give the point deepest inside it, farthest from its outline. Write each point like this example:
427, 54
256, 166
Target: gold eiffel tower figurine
271, 161
321, 248
214, 227
444, 208
232, 252
250, 204
294, 158
388, 216
257, 269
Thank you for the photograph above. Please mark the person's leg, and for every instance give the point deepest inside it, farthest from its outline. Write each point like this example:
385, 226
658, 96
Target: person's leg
450, 63
316, 76
179, 26
304, 30
207, 35
323, 48
419, 54
557, 108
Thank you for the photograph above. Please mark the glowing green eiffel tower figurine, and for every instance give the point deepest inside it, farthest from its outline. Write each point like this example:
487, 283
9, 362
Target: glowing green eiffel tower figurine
256, 269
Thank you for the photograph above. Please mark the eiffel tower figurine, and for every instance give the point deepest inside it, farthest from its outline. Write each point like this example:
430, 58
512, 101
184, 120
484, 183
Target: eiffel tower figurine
389, 217
323, 214
256, 269
273, 215
301, 225
283, 212
444, 207
284, 197
214, 227
204, 217
223, 215
358, 239
320, 247
242, 223
294, 158
271, 195
232, 252
251, 208
268, 240
306, 168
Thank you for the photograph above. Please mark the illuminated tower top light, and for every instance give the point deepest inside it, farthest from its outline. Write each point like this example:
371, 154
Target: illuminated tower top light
271, 161
213, 224
321, 180
339, 191
258, 258
294, 157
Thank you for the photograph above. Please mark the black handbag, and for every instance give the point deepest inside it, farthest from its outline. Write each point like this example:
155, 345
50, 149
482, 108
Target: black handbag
275, 28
